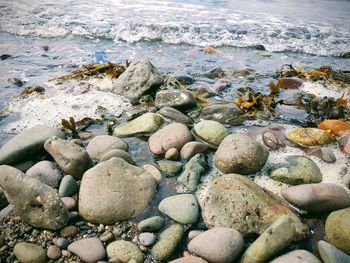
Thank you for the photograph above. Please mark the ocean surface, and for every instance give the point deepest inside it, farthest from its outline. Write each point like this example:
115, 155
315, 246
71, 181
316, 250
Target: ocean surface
50, 38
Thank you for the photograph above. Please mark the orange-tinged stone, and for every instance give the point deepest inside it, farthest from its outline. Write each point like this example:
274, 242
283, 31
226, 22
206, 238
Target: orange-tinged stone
337, 127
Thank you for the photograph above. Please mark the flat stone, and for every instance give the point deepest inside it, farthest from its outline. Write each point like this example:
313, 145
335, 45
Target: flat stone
68, 186
323, 197
189, 259
29, 253
71, 158
151, 224
217, 245
211, 132
338, 229
117, 153
137, 80
240, 153
168, 241
102, 144
36, 203
88, 249
169, 167
179, 99
172, 154
310, 136
174, 135
182, 208
114, 191
297, 170
143, 125
175, 115
227, 114
224, 206
147, 239
190, 149
124, 251
46, 172
330, 254
277, 237
27, 145
297, 256
54, 252
290, 83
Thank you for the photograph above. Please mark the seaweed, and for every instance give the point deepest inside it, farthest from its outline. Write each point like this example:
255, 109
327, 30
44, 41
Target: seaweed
77, 126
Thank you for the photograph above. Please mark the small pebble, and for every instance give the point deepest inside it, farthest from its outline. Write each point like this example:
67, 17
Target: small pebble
69, 202
69, 231
147, 239
62, 243
172, 154
106, 237
118, 232
54, 252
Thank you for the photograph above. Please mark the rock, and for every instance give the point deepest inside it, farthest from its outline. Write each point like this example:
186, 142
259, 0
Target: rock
297, 256
338, 229
117, 153
193, 233
221, 84
189, 178
289, 82
330, 254
168, 241
27, 145
240, 153
29, 253
169, 167
69, 203
151, 224
190, 149
317, 198
102, 144
147, 239
71, 158
182, 208
62, 243
145, 124
54, 252
23, 167
3, 200
36, 203
69, 231
88, 249
124, 251
189, 259
179, 99
100, 202
211, 132
68, 186
46, 172
297, 170
137, 80
172, 154
277, 237
174, 135
175, 115
310, 136
227, 114
184, 79
217, 245
235, 201
152, 170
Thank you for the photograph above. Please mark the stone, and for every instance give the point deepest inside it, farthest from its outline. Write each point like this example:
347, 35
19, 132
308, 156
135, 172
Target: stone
68, 186
138, 79
46, 172
102, 144
36, 203
297, 256
114, 191
175, 115
54, 252
147, 239
151, 224
168, 241
316, 198
227, 114
184, 79
71, 158
310, 136
62, 243
117, 153
124, 251
29, 253
211, 132
88, 249
27, 144
240, 153
289, 82
179, 99
169, 167
172, 154
182, 208
297, 170
190, 149
221, 84
189, 178
174, 135
217, 245
152, 170
277, 237
338, 229
69, 231
143, 125
330, 254
189, 259
235, 201
69, 203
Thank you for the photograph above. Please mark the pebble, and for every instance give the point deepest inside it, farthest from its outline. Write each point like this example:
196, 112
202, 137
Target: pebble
88, 249
193, 233
102, 144
68, 186
169, 167
172, 154
330, 254
179, 99
297, 256
151, 224
152, 170
124, 251
69, 231
310, 136
54, 252
147, 239
46, 172
69, 202
62, 243
175, 115
190, 149
29, 253
119, 154
189, 259
106, 237
211, 132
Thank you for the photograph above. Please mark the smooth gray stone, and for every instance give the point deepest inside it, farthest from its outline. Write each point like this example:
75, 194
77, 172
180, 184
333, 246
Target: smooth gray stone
88, 249
46, 172
68, 186
190, 149
147, 239
227, 114
175, 115
102, 144
29, 253
179, 99
297, 256
117, 153
331, 254
151, 224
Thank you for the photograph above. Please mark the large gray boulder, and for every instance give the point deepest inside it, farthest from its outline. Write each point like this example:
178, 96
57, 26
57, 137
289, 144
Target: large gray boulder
114, 191
36, 203
138, 79
70, 157
27, 144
